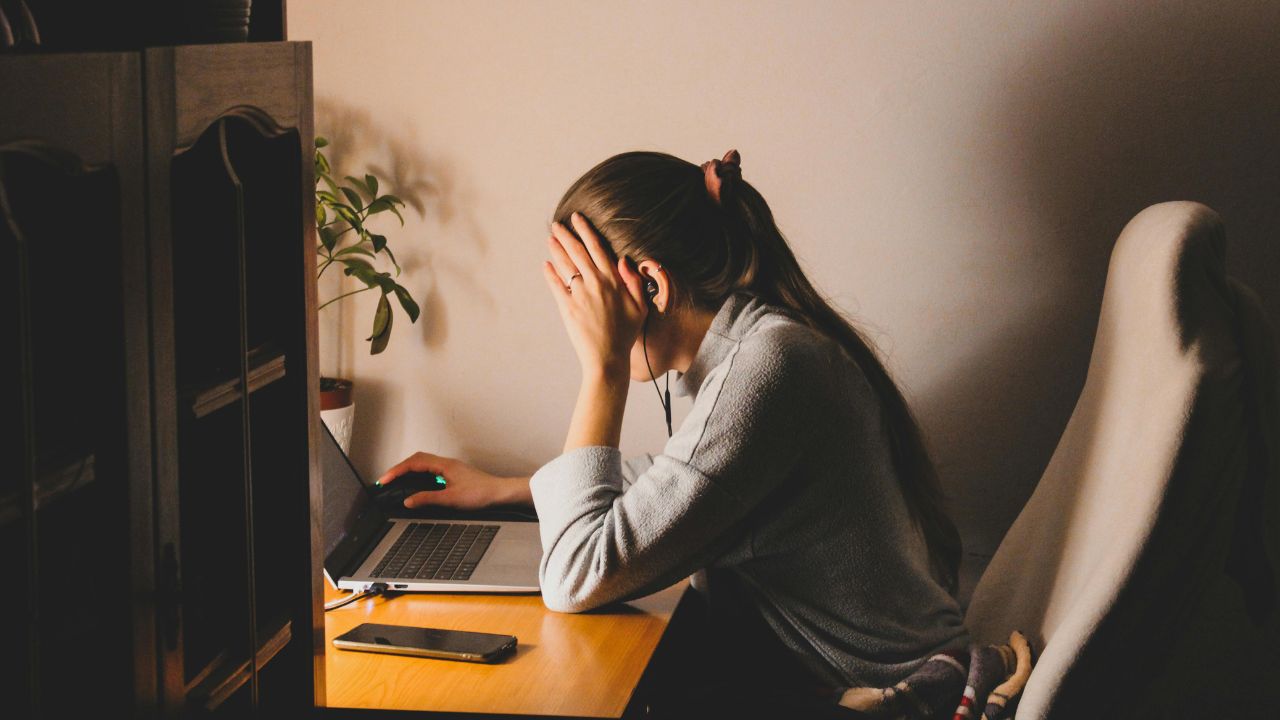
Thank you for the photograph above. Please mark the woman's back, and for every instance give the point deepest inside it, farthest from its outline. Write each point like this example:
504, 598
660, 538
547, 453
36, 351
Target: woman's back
780, 483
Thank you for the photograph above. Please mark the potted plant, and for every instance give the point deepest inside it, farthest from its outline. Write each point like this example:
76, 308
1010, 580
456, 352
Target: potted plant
342, 215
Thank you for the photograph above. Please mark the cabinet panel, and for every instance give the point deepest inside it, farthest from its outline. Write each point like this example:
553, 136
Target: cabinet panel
213, 541
75, 511
206, 268
209, 80
267, 162
231, 148
81, 481
161, 514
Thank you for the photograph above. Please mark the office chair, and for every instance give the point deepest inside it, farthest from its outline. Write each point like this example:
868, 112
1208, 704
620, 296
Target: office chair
1152, 536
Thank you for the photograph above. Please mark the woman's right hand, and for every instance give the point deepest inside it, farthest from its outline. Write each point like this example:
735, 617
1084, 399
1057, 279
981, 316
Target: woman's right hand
466, 487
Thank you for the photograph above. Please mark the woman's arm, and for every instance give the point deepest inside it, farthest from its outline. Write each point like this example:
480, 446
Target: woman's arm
604, 542
519, 492
597, 417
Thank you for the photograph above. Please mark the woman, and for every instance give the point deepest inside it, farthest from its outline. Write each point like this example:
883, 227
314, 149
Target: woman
797, 492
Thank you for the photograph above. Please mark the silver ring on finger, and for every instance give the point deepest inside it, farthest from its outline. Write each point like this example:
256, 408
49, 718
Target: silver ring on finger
569, 286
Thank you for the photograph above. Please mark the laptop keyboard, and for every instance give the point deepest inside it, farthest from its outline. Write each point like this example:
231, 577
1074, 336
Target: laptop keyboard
437, 551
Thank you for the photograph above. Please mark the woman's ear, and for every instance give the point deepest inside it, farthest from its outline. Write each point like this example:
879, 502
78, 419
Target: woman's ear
657, 289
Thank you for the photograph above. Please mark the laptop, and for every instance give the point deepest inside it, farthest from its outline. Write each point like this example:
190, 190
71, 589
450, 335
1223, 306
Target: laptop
441, 551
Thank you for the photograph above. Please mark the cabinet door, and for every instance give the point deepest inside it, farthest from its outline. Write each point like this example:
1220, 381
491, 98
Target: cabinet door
232, 212
75, 507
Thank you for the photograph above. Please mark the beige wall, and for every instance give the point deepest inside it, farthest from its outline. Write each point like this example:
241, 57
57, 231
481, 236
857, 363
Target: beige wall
953, 173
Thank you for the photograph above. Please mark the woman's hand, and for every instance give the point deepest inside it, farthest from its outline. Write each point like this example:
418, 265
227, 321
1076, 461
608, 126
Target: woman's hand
601, 303
466, 487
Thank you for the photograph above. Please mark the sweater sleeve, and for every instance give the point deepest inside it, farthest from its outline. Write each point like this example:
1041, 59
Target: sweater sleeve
632, 468
606, 540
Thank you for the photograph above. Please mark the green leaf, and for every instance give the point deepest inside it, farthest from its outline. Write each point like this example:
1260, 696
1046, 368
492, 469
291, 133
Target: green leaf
379, 242
406, 301
381, 326
387, 249
353, 197
328, 238
346, 213
321, 215
361, 270
371, 182
321, 141
388, 202
354, 263
360, 184
322, 163
327, 196
333, 186
362, 250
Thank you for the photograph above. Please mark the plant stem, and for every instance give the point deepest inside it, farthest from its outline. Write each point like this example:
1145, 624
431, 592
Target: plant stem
353, 292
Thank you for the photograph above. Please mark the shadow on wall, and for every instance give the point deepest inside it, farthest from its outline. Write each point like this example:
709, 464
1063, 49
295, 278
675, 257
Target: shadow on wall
441, 250
1126, 108
373, 396
428, 186
377, 400
354, 139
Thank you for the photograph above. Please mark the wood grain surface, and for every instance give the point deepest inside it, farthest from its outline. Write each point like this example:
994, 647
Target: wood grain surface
580, 664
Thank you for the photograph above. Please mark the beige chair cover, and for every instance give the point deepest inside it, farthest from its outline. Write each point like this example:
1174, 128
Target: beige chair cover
1164, 479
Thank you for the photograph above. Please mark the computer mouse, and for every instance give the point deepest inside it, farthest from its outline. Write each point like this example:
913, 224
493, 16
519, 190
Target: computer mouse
409, 483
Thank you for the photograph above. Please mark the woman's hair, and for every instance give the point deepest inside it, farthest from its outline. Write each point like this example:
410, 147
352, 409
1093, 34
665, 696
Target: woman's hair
651, 205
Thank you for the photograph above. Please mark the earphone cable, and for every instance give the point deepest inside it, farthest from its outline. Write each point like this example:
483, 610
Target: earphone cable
666, 404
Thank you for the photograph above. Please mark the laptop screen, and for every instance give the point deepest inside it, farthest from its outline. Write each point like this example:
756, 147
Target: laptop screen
352, 518
344, 493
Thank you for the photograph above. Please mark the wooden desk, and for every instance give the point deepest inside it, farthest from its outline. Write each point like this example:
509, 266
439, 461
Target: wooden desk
567, 664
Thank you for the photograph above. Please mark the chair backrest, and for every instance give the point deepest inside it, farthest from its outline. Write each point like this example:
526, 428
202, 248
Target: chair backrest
1140, 496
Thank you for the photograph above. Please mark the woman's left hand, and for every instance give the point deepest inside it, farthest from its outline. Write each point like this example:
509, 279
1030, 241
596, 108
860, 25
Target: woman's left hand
603, 309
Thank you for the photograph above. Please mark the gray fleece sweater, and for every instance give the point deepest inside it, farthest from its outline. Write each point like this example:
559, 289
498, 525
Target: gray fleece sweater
776, 491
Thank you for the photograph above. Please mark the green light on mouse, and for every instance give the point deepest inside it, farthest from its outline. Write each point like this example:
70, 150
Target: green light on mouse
440, 480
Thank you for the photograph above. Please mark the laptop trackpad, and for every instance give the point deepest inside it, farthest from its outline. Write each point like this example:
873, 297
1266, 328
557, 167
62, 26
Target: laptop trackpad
513, 559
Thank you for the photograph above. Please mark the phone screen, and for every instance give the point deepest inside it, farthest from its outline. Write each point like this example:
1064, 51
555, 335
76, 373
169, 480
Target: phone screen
427, 642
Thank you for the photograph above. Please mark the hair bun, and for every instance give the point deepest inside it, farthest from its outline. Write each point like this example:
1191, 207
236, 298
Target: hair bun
715, 170
732, 162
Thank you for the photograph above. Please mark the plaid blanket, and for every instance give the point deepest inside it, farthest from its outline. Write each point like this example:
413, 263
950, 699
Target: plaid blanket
985, 682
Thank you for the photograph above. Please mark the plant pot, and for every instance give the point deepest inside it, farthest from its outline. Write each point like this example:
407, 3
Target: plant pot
338, 409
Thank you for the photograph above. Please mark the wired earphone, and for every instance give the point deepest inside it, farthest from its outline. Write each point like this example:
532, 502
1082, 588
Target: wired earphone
650, 292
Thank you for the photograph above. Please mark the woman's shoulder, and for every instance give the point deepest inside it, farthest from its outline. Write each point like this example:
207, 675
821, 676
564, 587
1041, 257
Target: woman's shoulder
781, 332
783, 350
756, 347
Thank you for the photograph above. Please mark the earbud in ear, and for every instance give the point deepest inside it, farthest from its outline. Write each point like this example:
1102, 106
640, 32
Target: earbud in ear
651, 289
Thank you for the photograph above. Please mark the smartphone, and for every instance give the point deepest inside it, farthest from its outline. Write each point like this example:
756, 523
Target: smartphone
427, 642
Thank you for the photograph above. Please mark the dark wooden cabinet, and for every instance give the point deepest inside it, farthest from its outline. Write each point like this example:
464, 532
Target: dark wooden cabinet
75, 506
101, 26
163, 515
